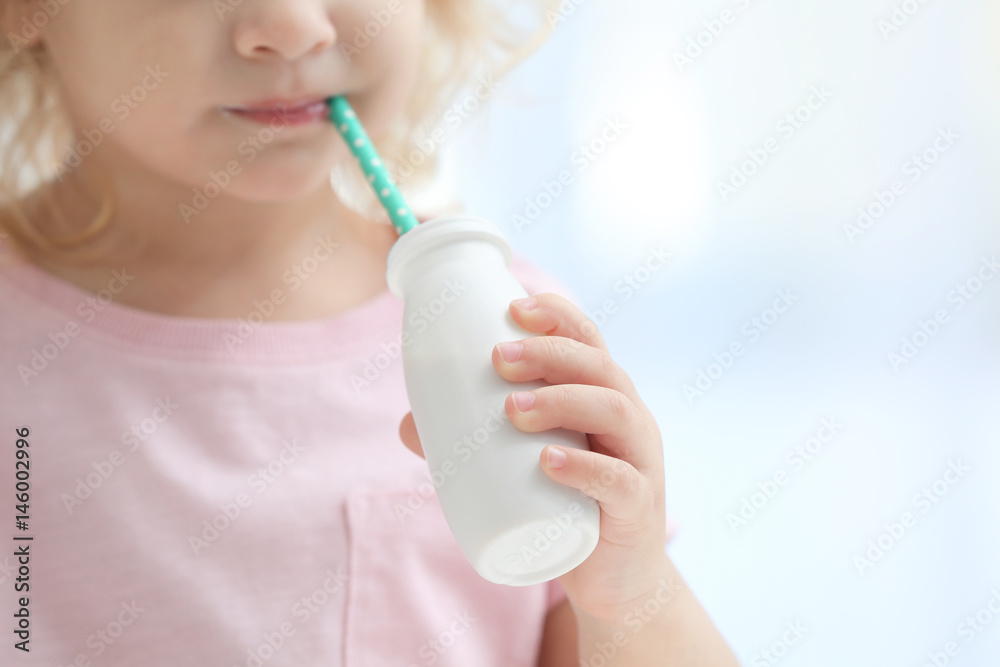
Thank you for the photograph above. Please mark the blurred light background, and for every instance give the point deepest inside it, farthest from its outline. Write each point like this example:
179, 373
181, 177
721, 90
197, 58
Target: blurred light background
892, 78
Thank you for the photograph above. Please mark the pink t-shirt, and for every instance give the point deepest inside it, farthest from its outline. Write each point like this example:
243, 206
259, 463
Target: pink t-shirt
228, 493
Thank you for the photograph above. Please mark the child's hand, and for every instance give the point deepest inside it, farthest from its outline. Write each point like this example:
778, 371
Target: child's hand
623, 471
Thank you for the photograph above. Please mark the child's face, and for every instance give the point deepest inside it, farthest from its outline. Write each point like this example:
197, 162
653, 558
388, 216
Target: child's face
147, 78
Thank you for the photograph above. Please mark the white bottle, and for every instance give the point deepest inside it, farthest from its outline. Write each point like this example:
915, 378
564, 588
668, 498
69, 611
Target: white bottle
514, 524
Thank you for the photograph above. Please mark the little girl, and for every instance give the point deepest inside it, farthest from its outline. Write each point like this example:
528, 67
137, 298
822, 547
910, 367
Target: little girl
202, 399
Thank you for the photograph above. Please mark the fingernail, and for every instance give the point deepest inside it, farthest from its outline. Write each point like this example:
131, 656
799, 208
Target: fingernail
510, 352
557, 457
526, 304
523, 400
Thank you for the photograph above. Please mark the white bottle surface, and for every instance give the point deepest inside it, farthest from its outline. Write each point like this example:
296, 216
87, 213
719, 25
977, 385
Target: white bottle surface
514, 524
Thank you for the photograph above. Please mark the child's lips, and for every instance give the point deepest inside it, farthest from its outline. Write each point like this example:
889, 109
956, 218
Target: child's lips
283, 113
275, 104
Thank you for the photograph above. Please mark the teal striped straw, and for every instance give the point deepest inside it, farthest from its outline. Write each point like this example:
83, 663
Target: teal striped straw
347, 123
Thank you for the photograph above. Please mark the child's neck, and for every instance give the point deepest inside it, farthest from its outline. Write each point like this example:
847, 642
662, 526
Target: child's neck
321, 267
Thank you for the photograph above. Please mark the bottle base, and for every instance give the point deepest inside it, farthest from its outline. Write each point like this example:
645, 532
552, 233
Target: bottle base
536, 552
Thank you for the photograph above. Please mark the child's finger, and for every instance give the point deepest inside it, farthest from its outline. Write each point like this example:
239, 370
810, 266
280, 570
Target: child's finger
408, 434
554, 315
560, 360
611, 419
624, 494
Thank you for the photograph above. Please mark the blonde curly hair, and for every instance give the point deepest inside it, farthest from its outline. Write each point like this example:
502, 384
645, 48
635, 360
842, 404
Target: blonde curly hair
463, 40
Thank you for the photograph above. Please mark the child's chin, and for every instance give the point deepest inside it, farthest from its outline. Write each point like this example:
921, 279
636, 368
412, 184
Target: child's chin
279, 190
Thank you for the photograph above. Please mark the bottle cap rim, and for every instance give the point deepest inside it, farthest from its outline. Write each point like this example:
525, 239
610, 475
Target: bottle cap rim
438, 232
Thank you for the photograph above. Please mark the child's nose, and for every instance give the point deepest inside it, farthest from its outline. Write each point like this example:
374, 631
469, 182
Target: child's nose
290, 29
